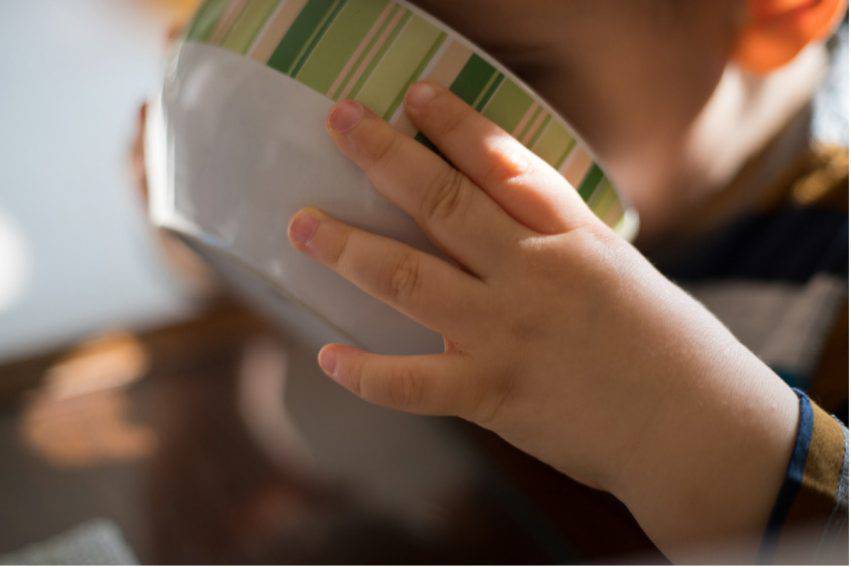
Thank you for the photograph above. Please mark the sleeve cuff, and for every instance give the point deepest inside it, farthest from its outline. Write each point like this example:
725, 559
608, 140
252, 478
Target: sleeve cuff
809, 520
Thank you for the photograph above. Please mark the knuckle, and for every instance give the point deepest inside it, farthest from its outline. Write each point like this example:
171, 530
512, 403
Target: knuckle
381, 145
597, 248
403, 278
525, 328
491, 404
355, 382
405, 389
341, 250
453, 118
446, 198
506, 165
536, 258
604, 236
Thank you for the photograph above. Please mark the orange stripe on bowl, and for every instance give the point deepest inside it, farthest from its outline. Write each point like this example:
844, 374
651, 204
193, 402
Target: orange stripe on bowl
577, 165
449, 64
524, 121
533, 129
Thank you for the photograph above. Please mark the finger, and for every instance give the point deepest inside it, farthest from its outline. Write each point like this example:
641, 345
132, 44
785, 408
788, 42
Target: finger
440, 384
455, 214
427, 289
523, 184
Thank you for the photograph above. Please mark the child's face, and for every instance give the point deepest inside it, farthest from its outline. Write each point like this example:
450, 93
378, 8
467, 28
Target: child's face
648, 84
618, 69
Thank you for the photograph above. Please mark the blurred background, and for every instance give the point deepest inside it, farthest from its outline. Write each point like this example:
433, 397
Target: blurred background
73, 246
140, 421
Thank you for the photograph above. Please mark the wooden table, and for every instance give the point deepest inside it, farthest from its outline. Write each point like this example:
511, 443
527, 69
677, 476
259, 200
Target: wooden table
216, 441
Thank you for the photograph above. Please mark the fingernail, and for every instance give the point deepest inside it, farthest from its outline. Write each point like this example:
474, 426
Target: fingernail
345, 116
420, 95
328, 361
303, 227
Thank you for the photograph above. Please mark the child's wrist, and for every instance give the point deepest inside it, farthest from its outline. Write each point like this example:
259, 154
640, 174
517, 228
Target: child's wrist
711, 465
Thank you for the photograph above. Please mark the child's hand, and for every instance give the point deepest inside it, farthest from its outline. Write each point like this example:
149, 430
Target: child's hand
560, 336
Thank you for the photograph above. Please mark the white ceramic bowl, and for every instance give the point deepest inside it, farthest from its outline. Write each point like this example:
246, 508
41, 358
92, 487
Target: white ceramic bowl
235, 144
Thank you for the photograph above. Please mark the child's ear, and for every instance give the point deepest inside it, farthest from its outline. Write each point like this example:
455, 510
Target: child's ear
775, 31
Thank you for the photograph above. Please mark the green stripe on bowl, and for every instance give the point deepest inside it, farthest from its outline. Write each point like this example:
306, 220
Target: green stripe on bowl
205, 20
490, 88
560, 162
317, 36
303, 28
606, 200
508, 106
395, 22
240, 37
472, 79
338, 44
379, 56
537, 134
536, 114
592, 179
386, 85
554, 143
598, 197
366, 55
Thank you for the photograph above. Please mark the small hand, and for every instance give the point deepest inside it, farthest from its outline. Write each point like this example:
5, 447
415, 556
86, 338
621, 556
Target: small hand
561, 337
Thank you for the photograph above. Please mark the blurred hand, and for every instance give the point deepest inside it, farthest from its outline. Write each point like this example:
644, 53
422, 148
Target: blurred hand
560, 336
137, 146
137, 155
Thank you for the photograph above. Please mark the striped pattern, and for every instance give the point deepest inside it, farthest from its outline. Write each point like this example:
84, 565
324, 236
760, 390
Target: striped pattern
373, 50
